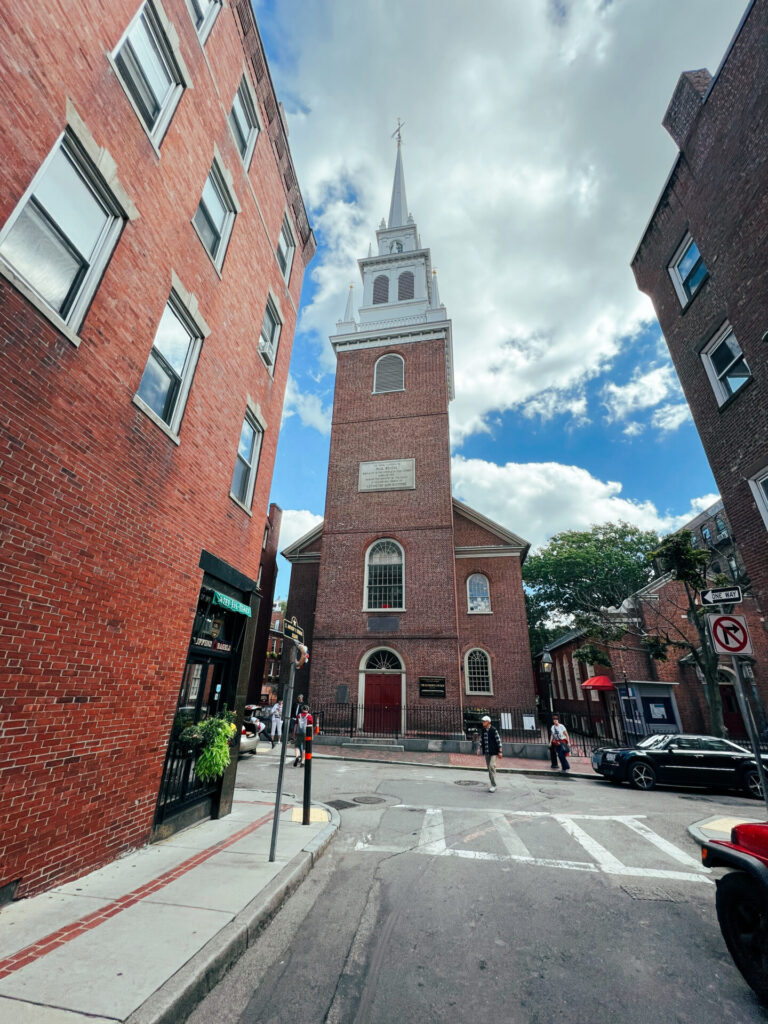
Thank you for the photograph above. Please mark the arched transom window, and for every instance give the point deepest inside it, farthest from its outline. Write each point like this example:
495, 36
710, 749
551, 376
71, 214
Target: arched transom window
405, 286
478, 594
384, 575
383, 661
477, 670
380, 289
389, 374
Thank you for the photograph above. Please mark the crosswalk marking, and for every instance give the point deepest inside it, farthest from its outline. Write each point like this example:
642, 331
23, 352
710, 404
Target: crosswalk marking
432, 842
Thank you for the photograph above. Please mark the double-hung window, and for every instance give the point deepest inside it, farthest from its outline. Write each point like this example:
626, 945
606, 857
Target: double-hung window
204, 13
62, 233
759, 487
270, 334
384, 565
725, 364
244, 121
167, 377
247, 461
687, 270
149, 70
285, 249
215, 215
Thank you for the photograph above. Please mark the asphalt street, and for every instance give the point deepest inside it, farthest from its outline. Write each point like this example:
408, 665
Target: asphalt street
551, 899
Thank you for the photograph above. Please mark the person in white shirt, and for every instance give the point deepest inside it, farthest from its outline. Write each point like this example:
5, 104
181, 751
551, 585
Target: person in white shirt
559, 745
277, 722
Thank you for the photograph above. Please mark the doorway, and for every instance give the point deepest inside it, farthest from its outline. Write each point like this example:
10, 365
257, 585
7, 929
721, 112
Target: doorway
382, 690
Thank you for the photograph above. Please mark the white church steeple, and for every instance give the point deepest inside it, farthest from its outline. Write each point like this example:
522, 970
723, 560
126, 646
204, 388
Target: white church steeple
398, 207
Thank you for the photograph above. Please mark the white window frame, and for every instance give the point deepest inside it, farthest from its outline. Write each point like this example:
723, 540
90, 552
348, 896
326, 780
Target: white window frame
722, 393
478, 611
480, 693
165, 43
251, 107
104, 194
221, 181
369, 549
759, 486
184, 306
387, 391
285, 252
205, 23
674, 270
254, 418
268, 346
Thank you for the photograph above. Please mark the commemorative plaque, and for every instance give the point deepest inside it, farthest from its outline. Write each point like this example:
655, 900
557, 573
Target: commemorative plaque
387, 475
432, 686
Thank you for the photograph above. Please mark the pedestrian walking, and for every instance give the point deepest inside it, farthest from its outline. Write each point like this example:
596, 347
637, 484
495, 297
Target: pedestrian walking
304, 723
276, 714
295, 714
491, 746
559, 745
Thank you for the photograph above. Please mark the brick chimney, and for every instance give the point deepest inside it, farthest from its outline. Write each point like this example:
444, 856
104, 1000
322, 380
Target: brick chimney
685, 104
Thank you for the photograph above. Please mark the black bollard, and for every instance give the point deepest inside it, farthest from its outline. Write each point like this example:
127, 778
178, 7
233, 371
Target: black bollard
307, 772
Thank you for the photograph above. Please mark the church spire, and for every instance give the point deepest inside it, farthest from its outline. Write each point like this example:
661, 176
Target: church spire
398, 208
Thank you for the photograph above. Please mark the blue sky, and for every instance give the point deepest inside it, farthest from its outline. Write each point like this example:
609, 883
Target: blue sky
533, 155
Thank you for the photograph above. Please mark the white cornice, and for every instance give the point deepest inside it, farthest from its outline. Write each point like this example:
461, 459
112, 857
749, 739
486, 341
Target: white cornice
522, 546
294, 553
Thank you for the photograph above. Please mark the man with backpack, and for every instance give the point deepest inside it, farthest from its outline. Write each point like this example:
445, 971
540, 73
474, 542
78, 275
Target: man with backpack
304, 724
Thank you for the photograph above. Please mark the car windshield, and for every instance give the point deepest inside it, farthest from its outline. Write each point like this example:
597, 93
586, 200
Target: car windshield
656, 740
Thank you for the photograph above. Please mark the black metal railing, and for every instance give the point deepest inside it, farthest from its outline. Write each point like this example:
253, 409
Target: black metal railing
180, 787
425, 722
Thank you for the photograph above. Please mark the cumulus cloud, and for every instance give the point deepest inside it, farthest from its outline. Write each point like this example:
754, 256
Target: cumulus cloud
295, 523
643, 391
538, 499
532, 200
670, 417
308, 407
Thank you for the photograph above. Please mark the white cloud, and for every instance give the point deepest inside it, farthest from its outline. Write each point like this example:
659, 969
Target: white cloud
633, 429
295, 523
643, 391
308, 407
532, 200
538, 499
670, 417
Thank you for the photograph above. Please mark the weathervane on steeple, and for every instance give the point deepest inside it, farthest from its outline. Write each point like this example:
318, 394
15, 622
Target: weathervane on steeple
396, 132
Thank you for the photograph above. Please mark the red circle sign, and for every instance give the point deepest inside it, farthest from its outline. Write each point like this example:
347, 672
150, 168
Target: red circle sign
729, 634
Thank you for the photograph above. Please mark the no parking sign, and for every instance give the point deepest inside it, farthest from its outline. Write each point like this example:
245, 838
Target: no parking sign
730, 634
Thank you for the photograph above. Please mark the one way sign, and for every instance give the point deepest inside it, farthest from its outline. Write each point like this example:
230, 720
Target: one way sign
722, 595
730, 634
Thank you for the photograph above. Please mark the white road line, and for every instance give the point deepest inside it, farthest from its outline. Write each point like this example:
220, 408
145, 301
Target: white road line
606, 861
432, 838
512, 841
664, 845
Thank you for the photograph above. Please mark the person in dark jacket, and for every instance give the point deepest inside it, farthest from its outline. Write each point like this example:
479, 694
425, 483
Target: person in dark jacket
491, 746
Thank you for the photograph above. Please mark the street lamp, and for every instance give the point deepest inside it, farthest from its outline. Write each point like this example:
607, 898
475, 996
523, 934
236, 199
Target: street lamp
546, 664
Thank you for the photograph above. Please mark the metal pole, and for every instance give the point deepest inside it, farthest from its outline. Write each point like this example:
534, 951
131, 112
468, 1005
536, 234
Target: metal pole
749, 726
307, 772
287, 703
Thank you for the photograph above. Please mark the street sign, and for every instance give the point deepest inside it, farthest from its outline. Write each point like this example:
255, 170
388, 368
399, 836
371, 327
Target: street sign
730, 634
292, 630
721, 595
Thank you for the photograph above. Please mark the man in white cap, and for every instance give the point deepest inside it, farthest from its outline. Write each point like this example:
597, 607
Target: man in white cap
491, 746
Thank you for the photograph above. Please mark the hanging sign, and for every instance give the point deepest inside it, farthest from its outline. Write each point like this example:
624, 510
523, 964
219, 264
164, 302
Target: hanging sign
293, 630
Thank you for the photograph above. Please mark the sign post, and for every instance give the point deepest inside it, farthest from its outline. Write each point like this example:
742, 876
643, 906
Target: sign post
749, 724
291, 631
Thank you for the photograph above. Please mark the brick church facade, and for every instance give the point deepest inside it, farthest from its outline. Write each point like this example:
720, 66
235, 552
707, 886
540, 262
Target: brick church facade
408, 597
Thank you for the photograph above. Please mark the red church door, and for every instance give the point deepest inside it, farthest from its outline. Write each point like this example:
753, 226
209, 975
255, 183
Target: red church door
382, 704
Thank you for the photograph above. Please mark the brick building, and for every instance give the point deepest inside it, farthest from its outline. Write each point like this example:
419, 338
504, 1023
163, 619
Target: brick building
153, 241
408, 598
703, 260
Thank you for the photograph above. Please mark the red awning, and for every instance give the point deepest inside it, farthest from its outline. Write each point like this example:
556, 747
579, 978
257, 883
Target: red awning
598, 683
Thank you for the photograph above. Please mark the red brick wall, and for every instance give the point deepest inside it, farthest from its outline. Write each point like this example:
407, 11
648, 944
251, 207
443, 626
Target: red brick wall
104, 517
719, 191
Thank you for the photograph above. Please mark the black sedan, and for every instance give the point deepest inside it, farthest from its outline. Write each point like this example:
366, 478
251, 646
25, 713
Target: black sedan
681, 760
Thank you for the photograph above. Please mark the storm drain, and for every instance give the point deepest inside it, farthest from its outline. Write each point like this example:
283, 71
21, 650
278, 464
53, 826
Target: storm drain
368, 799
340, 805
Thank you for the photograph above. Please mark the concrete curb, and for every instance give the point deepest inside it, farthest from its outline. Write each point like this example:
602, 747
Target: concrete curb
178, 997
546, 772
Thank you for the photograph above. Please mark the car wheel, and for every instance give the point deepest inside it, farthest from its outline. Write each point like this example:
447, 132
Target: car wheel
641, 775
742, 911
752, 784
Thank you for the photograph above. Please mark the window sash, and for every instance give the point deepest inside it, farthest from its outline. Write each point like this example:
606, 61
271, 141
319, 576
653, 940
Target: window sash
479, 594
214, 216
384, 586
478, 672
729, 364
270, 333
167, 376
687, 270
285, 249
243, 121
246, 461
145, 69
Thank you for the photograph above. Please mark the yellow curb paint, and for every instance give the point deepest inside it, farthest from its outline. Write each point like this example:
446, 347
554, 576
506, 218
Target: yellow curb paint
725, 824
315, 814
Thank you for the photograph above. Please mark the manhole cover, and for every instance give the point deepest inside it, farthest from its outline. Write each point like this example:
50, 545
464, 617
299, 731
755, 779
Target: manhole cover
340, 805
467, 782
368, 799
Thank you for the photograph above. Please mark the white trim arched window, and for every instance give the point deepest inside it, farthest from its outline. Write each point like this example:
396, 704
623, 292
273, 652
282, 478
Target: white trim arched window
405, 286
384, 576
383, 660
477, 671
478, 594
380, 289
389, 374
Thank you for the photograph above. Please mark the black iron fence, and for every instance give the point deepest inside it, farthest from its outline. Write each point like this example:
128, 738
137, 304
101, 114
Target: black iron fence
180, 787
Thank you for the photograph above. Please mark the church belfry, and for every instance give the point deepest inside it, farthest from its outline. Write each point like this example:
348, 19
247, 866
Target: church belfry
392, 626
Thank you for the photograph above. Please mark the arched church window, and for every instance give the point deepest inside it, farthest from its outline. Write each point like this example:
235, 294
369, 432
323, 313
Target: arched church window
405, 286
384, 575
477, 670
380, 289
478, 594
389, 374
383, 661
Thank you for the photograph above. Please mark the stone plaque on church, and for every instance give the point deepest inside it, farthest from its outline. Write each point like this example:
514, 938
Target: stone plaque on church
389, 475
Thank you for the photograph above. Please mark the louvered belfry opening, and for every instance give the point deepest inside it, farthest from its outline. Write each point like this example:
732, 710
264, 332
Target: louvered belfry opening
405, 286
389, 374
385, 575
380, 289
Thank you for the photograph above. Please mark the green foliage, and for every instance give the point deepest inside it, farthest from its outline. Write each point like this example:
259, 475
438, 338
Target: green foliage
212, 737
589, 654
580, 571
540, 632
676, 554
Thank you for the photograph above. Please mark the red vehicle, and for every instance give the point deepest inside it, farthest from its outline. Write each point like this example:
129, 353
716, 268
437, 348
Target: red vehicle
742, 899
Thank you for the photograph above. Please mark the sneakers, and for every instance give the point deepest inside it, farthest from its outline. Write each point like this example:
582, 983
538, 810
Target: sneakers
295, 762
491, 789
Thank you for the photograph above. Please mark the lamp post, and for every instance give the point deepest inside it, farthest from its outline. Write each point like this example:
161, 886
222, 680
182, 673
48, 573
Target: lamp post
546, 664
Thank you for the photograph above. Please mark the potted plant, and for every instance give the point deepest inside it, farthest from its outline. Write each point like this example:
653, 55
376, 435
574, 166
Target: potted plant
210, 739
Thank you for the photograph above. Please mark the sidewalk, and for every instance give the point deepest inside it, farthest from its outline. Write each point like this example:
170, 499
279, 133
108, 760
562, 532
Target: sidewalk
144, 938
